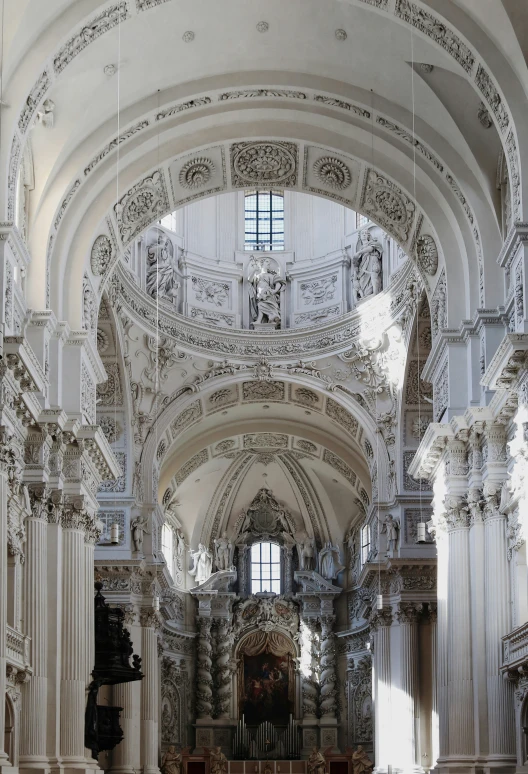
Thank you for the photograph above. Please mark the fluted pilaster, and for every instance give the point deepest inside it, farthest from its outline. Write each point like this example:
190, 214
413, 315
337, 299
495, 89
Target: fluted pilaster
381, 623
74, 626
459, 661
407, 710
149, 693
123, 754
34, 692
3, 601
501, 733
204, 664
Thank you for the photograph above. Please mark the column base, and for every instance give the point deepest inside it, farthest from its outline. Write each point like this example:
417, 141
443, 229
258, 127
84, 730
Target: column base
491, 764
33, 764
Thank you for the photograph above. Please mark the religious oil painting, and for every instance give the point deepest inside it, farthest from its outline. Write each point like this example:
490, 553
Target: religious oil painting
266, 689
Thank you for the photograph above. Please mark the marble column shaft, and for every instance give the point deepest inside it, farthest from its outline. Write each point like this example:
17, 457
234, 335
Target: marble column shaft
408, 743
34, 692
73, 660
3, 604
149, 699
460, 678
123, 754
442, 676
383, 706
501, 730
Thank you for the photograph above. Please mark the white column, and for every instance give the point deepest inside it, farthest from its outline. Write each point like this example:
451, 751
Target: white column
501, 727
383, 706
407, 746
123, 754
149, 694
435, 730
459, 663
442, 578
74, 632
34, 692
91, 536
3, 596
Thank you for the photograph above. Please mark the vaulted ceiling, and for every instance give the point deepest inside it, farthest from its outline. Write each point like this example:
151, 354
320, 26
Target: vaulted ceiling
169, 77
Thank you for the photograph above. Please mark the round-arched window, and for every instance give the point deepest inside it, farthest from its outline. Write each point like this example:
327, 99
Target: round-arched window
265, 568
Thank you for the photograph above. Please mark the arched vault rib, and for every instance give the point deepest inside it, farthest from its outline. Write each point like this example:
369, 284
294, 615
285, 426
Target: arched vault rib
435, 30
454, 239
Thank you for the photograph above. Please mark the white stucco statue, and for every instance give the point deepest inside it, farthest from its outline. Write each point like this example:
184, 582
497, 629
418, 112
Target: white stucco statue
366, 266
264, 292
202, 564
223, 552
161, 279
139, 527
330, 564
306, 551
391, 527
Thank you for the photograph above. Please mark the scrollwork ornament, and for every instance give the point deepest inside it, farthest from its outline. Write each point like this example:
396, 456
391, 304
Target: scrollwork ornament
101, 255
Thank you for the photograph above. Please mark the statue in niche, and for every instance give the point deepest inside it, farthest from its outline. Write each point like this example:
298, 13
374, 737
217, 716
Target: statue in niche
265, 287
161, 279
330, 562
391, 527
223, 552
316, 763
139, 528
361, 763
306, 551
202, 564
171, 762
366, 266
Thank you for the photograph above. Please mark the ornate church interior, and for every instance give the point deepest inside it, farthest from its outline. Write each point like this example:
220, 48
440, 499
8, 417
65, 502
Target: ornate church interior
264, 386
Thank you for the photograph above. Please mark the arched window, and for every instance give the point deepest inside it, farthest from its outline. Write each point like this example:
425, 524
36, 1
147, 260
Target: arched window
167, 546
264, 220
365, 543
265, 568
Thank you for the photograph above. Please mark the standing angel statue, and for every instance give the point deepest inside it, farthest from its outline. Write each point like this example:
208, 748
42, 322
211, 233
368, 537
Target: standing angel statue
139, 527
161, 279
366, 266
223, 552
265, 287
202, 564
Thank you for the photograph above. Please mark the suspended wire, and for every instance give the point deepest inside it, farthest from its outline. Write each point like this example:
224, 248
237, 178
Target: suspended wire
118, 159
418, 300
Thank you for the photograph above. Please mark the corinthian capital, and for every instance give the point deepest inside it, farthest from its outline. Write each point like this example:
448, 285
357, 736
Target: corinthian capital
492, 499
456, 513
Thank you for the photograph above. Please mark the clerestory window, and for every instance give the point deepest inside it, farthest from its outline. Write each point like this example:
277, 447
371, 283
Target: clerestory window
264, 221
265, 568
365, 543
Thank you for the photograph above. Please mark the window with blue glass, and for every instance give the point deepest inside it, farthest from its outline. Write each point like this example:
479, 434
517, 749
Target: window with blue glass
264, 221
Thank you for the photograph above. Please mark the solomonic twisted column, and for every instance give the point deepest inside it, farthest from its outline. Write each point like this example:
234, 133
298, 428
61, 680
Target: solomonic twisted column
328, 679
310, 688
204, 663
223, 671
